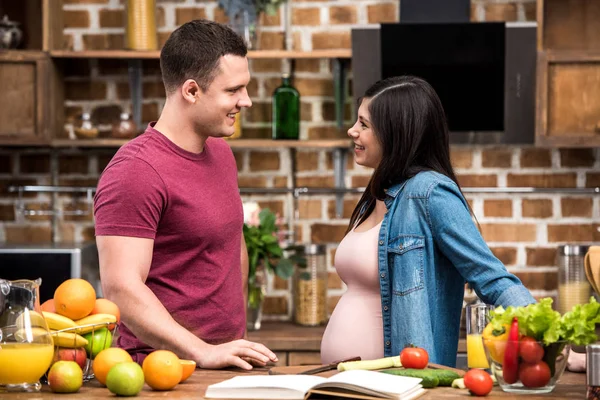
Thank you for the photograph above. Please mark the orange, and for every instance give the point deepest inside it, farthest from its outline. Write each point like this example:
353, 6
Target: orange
48, 306
187, 369
74, 298
107, 359
162, 370
105, 306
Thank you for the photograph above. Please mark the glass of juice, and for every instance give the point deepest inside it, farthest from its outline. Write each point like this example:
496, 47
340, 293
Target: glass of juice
478, 316
26, 347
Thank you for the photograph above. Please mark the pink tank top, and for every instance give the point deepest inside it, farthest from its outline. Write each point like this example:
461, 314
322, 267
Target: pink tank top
356, 327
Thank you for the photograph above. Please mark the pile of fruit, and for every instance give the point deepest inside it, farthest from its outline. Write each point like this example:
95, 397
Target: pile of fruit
82, 329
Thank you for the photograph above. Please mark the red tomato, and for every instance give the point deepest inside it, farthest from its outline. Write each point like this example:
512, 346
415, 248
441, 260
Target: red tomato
414, 357
534, 375
478, 382
530, 350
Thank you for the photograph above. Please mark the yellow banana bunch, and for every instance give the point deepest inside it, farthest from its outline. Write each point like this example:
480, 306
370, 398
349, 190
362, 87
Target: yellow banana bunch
68, 339
58, 322
30, 319
93, 322
31, 335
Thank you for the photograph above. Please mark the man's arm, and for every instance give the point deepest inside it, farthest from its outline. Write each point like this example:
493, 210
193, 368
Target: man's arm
124, 266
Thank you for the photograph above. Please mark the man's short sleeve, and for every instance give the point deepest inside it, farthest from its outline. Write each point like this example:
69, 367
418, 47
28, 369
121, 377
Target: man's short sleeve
129, 200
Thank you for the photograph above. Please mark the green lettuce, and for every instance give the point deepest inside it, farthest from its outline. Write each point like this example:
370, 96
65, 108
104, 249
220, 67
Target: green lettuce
541, 322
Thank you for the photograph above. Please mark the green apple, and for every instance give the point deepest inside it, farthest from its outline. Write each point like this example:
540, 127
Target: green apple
98, 340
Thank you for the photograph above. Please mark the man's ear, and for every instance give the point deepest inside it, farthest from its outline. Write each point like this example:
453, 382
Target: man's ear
190, 91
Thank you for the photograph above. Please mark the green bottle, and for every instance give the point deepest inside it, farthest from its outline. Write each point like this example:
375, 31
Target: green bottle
286, 111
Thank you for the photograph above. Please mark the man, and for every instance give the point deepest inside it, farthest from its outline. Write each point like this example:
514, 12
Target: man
169, 215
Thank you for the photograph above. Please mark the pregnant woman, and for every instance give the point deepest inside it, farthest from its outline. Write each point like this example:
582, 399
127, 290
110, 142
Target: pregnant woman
411, 242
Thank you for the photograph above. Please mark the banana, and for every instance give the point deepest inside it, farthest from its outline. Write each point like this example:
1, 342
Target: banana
30, 319
36, 335
58, 322
68, 339
93, 322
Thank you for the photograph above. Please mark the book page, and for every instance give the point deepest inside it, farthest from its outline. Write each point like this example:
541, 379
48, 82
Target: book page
374, 381
264, 386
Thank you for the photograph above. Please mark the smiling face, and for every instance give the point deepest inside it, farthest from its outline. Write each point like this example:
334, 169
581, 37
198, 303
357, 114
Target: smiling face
367, 148
215, 109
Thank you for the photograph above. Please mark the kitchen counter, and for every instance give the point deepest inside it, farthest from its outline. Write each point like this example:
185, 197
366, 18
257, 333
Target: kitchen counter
571, 385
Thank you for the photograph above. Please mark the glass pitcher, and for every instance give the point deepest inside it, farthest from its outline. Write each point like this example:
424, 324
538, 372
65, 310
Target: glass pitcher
26, 348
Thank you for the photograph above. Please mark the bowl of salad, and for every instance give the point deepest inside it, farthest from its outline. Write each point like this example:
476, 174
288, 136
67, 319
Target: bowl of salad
527, 347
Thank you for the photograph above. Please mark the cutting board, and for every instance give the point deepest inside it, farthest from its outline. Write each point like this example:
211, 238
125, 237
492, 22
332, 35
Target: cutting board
299, 368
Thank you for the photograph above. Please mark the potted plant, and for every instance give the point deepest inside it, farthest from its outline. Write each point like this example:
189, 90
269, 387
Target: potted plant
265, 255
243, 16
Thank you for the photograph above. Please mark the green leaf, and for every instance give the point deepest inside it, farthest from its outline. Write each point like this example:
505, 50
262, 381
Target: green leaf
284, 268
268, 238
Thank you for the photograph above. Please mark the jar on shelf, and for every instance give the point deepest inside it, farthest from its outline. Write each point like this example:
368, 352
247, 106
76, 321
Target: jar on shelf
125, 128
573, 286
85, 129
310, 286
141, 31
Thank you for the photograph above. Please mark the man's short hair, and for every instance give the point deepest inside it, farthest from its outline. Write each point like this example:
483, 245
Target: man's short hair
193, 51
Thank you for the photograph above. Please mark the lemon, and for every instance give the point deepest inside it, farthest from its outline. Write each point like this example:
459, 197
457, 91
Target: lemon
125, 379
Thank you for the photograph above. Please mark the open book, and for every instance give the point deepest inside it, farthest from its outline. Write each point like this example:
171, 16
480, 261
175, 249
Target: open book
356, 384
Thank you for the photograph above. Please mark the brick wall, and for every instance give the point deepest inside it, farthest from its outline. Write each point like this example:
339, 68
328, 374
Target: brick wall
523, 230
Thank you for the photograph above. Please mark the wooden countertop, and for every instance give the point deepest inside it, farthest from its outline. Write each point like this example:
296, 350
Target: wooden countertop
287, 336
571, 385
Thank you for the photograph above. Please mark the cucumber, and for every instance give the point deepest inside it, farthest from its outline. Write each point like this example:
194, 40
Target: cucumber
445, 376
379, 363
428, 376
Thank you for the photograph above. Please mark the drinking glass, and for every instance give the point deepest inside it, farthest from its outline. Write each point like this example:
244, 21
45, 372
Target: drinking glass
478, 316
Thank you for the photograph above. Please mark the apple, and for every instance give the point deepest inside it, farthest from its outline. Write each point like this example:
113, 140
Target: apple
64, 354
99, 340
65, 377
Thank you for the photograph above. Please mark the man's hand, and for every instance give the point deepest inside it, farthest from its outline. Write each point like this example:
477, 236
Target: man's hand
240, 353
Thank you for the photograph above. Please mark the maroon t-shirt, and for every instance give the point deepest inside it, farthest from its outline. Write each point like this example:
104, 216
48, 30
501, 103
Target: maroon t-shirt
190, 205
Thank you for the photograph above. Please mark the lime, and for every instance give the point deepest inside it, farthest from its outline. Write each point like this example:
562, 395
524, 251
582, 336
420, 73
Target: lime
65, 377
125, 379
98, 340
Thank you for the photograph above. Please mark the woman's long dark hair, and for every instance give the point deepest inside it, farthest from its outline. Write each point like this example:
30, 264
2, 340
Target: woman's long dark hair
408, 119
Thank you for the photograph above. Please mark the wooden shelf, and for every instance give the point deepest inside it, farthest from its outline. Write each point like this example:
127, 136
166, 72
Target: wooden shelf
234, 143
565, 56
264, 54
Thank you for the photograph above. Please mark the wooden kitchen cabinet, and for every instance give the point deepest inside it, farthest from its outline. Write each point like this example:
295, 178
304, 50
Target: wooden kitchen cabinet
568, 73
31, 105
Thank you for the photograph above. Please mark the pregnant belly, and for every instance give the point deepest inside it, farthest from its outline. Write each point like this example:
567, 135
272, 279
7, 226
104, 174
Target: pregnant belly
354, 329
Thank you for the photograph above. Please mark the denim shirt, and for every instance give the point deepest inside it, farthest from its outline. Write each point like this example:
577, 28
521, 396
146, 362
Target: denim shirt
428, 247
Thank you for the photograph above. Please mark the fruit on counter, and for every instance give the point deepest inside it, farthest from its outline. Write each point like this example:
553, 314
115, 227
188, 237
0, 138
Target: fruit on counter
68, 339
162, 370
510, 367
414, 357
66, 354
65, 377
94, 322
97, 341
379, 363
74, 298
478, 382
534, 375
495, 341
530, 350
106, 359
105, 306
125, 379
48, 305
187, 369
58, 322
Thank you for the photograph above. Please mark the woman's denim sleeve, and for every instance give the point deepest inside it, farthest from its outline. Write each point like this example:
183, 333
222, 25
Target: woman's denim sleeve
458, 238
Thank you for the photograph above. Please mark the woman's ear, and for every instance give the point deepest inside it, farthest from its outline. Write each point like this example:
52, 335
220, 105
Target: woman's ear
190, 91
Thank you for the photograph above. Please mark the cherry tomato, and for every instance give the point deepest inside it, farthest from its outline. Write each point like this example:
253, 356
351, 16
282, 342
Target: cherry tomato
530, 350
534, 375
414, 357
478, 382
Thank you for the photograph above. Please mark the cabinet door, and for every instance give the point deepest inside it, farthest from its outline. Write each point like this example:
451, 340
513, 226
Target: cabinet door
568, 100
29, 100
